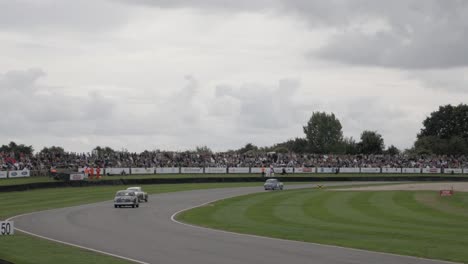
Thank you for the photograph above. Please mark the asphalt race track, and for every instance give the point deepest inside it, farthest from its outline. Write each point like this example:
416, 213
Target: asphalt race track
149, 235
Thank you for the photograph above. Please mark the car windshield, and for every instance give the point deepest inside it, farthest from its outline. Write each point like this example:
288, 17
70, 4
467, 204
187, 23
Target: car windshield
124, 193
133, 189
271, 181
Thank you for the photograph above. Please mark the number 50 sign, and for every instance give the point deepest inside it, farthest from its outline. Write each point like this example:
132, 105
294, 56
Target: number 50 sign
6, 228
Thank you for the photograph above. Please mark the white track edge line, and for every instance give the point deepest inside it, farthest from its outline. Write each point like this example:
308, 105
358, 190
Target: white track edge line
74, 245
291, 241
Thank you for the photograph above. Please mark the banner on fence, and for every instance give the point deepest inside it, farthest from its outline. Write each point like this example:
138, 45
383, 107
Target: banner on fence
465, 170
370, 170
326, 170
258, 170
453, 171
349, 170
191, 170
391, 170
411, 170
78, 176
279, 170
171, 170
3, 174
117, 171
19, 174
431, 170
239, 170
305, 170
142, 170
215, 170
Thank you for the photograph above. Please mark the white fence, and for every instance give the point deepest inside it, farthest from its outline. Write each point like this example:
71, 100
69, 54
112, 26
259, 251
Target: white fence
305, 170
391, 170
239, 170
3, 174
370, 170
431, 170
411, 170
143, 170
453, 171
350, 170
117, 171
215, 170
172, 170
191, 170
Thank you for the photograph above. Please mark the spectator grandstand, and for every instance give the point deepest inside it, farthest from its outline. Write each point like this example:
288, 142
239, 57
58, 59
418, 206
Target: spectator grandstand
41, 161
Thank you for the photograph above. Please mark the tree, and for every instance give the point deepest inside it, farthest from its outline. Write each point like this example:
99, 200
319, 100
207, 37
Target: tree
350, 146
103, 151
445, 131
323, 133
16, 149
371, 143
392, 150
248, 147
56, 151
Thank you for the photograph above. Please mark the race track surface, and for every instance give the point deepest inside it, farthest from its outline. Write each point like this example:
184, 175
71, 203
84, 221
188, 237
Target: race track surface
148, 235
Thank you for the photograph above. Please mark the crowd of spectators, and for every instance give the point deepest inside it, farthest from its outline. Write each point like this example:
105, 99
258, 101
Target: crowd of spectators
120, 159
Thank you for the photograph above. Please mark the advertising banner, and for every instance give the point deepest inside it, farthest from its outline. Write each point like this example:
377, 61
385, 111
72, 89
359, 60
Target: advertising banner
258, 170
239, 170
279, 170
391, 170
349, 170
191, 170
370, 170
142, 170
326, 170
411, 170
465, 170
171, 170
215, 170
431, 170
3, 174
453, 171
117, 171
78, 176
19, 174
305, 170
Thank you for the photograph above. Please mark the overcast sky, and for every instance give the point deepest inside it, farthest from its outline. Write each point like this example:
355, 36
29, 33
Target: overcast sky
176, 74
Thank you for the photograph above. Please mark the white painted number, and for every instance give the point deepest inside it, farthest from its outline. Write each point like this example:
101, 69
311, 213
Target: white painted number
6, 228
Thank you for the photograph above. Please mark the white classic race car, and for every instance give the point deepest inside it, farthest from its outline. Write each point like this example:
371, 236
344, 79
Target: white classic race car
142, 195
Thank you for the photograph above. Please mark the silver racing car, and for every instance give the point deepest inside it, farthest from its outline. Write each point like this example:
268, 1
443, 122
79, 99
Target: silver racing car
142, 196
126, 198
273, 184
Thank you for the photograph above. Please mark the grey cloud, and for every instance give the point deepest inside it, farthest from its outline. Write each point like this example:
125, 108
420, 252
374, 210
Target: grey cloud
35, 109
261, 107
75, 16
417, 34
453, 80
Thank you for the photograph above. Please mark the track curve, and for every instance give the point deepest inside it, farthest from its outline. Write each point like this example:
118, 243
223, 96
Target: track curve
148, 235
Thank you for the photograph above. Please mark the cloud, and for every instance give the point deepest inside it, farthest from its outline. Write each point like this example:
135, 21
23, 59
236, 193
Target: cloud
30, 16
403, 34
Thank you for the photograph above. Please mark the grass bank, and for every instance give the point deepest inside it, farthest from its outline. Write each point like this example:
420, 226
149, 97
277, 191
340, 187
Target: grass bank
409, 223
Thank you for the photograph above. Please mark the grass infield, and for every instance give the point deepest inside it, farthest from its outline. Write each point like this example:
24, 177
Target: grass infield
421, 224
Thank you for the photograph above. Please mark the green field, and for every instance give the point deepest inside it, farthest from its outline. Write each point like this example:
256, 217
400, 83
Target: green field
16, 181
21, 248
409, 223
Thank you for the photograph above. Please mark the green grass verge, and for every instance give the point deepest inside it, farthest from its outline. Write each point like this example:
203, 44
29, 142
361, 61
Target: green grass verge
17, 181
24, 249
419, 224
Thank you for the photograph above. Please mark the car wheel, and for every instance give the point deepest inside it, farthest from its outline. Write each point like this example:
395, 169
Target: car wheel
146, 200
115, 206
133, 205
137, 205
